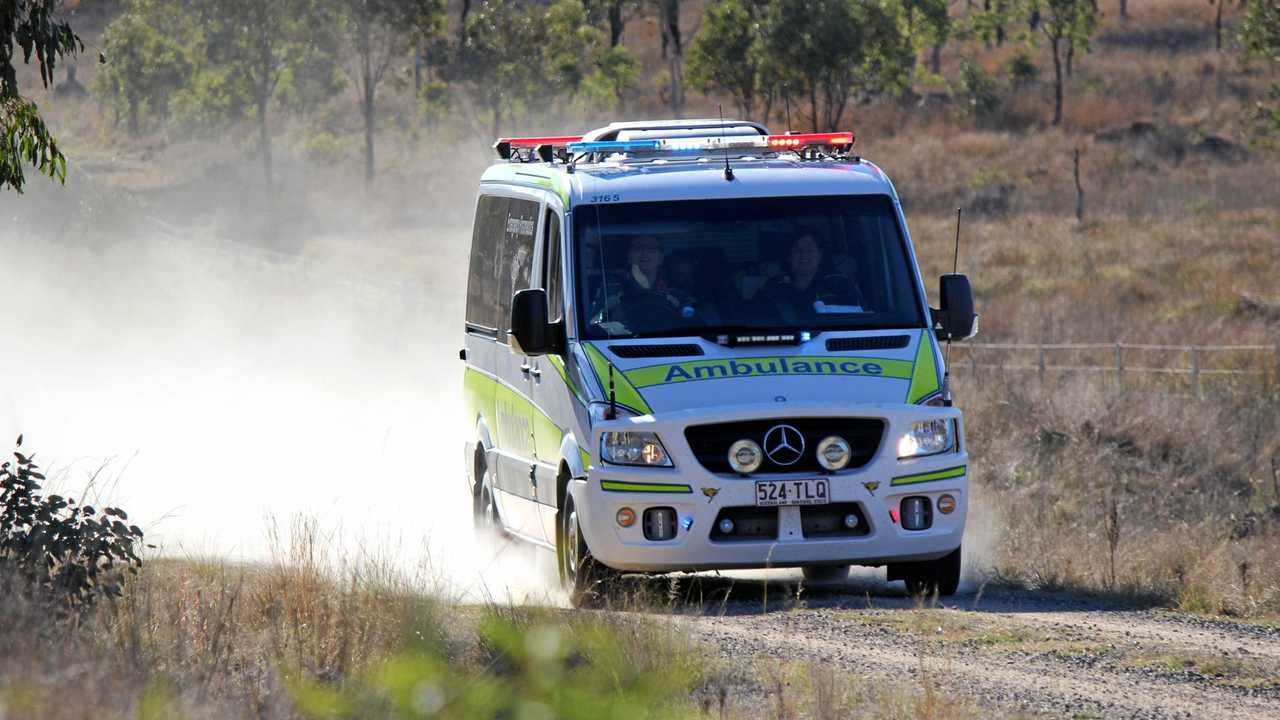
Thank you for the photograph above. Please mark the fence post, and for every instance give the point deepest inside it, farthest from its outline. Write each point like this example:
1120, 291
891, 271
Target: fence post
1040, 361
1119, 364
1195, 372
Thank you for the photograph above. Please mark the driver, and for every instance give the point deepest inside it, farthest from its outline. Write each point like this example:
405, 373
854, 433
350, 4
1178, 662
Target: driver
805, 290
644, 298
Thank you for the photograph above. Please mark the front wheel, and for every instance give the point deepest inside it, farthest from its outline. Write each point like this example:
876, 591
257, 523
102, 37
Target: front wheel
484, 515
941, 576
586, 579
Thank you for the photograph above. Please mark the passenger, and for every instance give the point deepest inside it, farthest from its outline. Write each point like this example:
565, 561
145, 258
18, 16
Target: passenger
806, 291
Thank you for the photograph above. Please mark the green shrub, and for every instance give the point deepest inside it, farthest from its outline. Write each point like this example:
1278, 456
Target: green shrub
53, 546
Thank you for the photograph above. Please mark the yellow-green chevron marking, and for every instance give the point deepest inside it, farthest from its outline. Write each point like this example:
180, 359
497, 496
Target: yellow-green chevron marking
616, 486
947, 474
625, 392
924, 377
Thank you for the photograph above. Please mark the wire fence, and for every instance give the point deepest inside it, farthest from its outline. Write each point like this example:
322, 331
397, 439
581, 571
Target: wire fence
1118, 359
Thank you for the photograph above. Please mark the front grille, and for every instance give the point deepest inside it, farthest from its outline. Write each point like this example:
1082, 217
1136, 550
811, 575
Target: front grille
710, 443
827, 521
875, 342
655, 351
749, 523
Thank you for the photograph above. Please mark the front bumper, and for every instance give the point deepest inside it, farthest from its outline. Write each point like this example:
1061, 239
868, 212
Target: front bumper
698, 496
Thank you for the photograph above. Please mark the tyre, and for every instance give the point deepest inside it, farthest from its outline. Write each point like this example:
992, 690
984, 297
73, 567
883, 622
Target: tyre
825, 573
941, 576
484, 511
586, 579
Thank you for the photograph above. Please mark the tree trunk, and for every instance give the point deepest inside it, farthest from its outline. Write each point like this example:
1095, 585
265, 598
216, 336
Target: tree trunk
617, 23
462, 21
1217, 27
813, 105
935, 59
1071, 57
1057, 80
264, 140
1124, 9
671, 42
369, 118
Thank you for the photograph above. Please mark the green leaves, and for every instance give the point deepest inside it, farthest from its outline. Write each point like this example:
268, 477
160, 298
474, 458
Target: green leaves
32, 26
26, 140
54, 547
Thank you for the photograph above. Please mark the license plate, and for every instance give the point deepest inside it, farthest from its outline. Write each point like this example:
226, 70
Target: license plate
814, 491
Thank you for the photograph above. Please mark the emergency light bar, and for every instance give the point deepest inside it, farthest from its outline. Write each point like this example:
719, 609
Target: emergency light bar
837, 140
695, 145
503, 145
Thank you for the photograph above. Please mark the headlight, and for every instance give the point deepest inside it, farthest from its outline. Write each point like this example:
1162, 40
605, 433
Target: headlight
633, 448
927, 437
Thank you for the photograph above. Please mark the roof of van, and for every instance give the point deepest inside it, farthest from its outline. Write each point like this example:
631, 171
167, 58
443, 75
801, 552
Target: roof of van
694, 179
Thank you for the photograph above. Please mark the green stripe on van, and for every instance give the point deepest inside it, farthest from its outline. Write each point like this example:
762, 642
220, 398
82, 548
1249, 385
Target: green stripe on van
616, 486
771, 366
947, 474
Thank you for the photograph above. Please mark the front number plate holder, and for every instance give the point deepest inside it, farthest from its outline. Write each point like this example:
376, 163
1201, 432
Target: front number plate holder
808, 491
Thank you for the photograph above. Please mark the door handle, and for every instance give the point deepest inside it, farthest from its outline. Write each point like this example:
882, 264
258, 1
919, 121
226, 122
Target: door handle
525, 368
536, 373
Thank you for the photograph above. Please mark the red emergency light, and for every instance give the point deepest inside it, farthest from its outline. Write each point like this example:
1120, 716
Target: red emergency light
835, 139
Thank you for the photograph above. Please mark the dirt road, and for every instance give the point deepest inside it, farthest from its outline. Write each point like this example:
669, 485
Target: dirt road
1009, 652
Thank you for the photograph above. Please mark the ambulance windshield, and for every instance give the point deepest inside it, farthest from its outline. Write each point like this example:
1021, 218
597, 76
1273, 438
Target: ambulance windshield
703, 267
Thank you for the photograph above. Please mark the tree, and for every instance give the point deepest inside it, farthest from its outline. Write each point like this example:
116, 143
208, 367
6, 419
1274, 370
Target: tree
33, 27
1068, 24
374, 33
723, 56
858, 46
1260, 38
153, 53
615, 14
496, 60
927, 25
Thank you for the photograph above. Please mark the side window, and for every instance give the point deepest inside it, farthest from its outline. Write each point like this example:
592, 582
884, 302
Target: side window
551, 271
515, 264
482, 280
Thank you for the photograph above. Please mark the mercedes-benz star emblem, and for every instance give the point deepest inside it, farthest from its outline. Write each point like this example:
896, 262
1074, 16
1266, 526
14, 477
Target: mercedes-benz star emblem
784, 445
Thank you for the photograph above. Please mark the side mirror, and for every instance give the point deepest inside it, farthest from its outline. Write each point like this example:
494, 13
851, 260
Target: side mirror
955, 320
531, 333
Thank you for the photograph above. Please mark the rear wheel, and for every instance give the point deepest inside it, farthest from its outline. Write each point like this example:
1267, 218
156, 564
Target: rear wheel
586, 579
825, 573
941, 576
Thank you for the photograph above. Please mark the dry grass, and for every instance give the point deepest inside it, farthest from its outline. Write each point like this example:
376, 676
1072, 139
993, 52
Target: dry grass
306, 637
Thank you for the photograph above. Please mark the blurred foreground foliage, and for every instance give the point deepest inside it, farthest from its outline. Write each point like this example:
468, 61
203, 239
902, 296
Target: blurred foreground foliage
584, 669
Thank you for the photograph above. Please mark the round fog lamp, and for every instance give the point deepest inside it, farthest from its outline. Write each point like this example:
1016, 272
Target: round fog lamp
745, 456
626, 517
851, 521
726, 526
833, 453
946, 504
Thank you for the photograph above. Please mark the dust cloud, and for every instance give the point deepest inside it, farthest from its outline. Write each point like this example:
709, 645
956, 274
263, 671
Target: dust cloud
218, 387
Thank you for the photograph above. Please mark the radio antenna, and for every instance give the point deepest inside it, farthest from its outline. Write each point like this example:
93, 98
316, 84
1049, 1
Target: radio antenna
947, 397
612, 412
728, 171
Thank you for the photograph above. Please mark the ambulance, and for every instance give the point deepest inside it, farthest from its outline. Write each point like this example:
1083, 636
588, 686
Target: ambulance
695, 345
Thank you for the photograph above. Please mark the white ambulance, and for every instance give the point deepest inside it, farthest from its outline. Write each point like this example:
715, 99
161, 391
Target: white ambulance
693, 345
